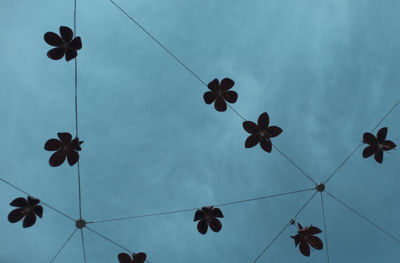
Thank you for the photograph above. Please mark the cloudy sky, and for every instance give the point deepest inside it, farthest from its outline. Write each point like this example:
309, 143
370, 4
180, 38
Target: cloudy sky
325, 71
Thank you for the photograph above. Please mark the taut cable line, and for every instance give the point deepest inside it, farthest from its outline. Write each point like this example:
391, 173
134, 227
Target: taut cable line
62, 247
325, 233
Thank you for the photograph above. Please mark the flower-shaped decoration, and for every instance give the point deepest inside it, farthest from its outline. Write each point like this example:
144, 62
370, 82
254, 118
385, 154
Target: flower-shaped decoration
136, 258
27, 209
65, 148
220, 93
305, 236
65, 45
208, 217
377, 144
261, 133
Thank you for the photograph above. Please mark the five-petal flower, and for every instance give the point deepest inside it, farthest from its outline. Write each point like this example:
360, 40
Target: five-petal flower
136, 258
220, 93
27, 209
305, 236
208, 217
261, 133
64, 45
377, 145
65, 148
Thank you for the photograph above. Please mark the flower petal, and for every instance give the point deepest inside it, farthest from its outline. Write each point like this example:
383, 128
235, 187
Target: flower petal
274, 131
139, 258
370, 139
53, 39
263, 121
76, 144
19, 202
76, 43
33, 201
368, 151
70, 54
16, 215
266, 145
66, 33
251, 141
56, 53
216, 212
304, 248
215, 225
213, 85
315, 242
220, 104
227, 84
381, 135
38, 210
231, 96
389, 145
73, 157
52, 145
379, 156
124, 258
198, 215
29, 220
312, 230
250, 127
65, 137
57, 158
202, 226
209, 97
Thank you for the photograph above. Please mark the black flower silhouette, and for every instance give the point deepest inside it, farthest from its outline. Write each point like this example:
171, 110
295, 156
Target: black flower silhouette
65, 45
27, 209
261, 133
136, 258
305, 236
65, 148
208, 217
377, 145
220, 93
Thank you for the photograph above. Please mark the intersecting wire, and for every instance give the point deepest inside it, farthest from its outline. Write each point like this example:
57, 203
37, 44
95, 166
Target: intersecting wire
283, 229
76, 116
194, 74
363, 217
83, 245
326, 234
62, 247
376, 126
49, 206
112, 241
193, 209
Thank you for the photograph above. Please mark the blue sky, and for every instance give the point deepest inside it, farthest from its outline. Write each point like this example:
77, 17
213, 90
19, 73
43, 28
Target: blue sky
326, 72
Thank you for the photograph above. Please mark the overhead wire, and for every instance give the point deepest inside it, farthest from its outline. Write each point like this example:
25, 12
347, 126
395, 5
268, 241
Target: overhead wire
83, 246
325, 232
193, 209
62, 247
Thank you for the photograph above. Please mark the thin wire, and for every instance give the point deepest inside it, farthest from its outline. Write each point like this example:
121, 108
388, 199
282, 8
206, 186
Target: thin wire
376, 126
345, 160
108, 239
192, 209
83, 246
363, 217
49, 206
295, 165
326, 234
62, 247
283, 229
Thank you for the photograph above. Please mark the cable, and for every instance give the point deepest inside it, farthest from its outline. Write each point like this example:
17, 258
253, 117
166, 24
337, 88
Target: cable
49, 206
108, 239
326, 233
62, 247
283, 229
363, 217
193, 209
83, 246
387, 114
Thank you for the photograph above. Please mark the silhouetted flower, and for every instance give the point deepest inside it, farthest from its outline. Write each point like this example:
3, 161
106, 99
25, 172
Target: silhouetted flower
207, 216
65, 45
136, 258
66, 148
305, 236
27, 209
261, 133
377, 145
220, 93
